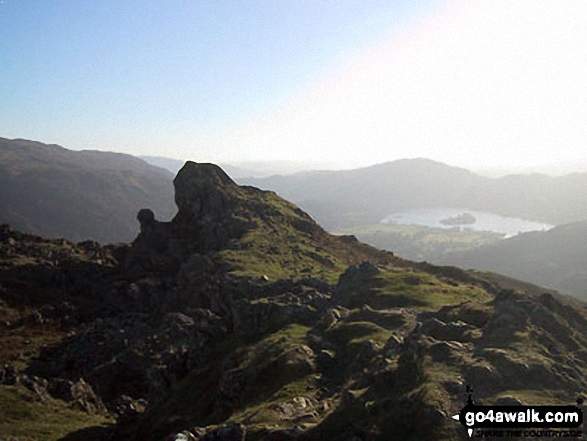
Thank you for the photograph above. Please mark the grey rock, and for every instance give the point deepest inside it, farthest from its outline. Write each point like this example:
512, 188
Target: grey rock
79, 395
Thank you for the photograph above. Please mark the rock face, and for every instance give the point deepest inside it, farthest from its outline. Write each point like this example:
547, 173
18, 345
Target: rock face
210, 214
204, 192
241, 318
208, 202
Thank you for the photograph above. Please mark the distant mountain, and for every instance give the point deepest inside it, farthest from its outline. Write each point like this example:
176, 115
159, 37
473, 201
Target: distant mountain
174, 165
555, 259
362, 196
366, 195
237, 172
170, 164
56, 192
242, 319
247, 170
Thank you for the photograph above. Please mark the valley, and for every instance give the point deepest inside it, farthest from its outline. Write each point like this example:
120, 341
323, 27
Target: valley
241, 318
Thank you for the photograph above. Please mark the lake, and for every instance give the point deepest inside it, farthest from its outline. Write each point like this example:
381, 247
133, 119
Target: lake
484, 221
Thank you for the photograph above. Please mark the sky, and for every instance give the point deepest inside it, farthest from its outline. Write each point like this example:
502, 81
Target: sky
328, 83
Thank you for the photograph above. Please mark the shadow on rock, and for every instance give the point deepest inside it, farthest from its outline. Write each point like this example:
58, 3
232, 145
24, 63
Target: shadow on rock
96, 433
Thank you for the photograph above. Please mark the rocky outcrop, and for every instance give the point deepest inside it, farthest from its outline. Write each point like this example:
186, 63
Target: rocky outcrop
241, 318
207, 201
77, 394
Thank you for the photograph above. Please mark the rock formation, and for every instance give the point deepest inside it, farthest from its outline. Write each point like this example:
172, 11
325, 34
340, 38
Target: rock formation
243, 319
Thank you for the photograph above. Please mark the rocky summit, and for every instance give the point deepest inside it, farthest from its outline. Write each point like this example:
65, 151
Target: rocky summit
242, 319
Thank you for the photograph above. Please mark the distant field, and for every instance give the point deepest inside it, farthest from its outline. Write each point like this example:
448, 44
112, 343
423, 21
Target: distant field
419, 243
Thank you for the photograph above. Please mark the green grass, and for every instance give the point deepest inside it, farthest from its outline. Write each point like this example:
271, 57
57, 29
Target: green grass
534, 397
273, 247
19, 345
261, 413
274, 362
399, 287
418, 242
271, 371
349, 334
285, 243
23, 418
281, 254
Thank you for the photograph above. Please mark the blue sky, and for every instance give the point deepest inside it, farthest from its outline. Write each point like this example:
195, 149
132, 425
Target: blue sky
334, 82
76, 69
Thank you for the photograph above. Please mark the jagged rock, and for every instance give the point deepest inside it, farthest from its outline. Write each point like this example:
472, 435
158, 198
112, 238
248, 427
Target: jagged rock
455, 387
457, 331
356, 274
128, 410
444, 350
36, 385
329, 318
352, 280
393, 346
207, 200
182, 436
154, 249
146, 218
470, 313
277, 310
283, 355
79, 395
202, 285
132, 354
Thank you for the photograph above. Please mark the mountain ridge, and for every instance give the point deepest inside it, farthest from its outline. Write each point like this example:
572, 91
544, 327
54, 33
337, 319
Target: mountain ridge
337, 199
242, 319
347, 198
555, 258
56, 192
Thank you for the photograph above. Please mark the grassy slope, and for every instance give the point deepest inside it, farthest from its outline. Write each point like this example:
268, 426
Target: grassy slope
262, 360
418, 242
287, 244
56, 192
22, 416
273, 365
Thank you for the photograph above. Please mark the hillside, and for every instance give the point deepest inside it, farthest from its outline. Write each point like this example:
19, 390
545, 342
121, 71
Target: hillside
55, 192
349, 198
170, 164
556, 258
418, 242
242, 319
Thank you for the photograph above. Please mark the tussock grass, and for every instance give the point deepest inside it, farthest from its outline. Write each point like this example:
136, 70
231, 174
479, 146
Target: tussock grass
404, 288
26, 419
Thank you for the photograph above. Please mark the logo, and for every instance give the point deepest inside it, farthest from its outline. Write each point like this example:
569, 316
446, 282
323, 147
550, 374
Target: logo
516, 421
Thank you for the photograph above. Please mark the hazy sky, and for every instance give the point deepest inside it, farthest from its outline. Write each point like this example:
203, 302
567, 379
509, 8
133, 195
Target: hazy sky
335, 82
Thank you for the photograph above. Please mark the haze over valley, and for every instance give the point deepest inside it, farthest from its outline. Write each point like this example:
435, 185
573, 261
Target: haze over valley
408, 207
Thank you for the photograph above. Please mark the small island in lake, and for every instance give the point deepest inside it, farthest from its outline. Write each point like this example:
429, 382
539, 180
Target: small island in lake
461, 219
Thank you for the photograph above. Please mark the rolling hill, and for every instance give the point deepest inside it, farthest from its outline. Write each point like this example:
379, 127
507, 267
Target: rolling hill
242, 319
56, 192
348, 198
556, 259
